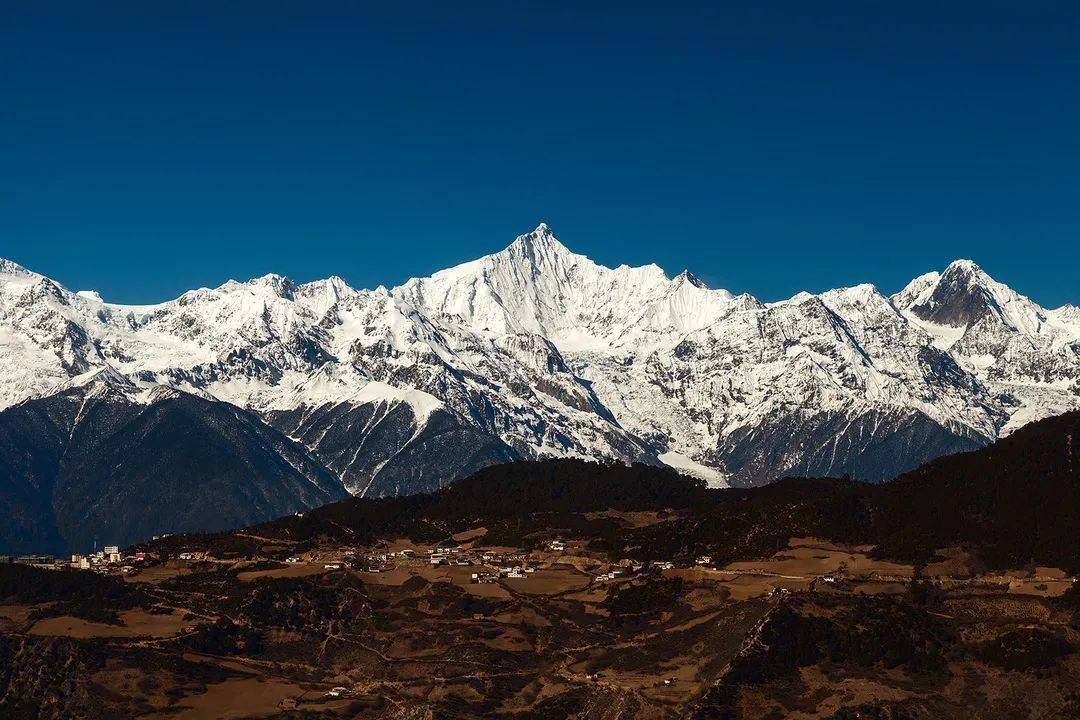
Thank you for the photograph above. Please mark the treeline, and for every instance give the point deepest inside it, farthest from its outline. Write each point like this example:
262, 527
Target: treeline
32, 585
1015, 503
79, 593
497, 494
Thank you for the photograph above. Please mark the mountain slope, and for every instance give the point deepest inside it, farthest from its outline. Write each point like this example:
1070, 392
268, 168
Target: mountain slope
1012, 504
1027, 355
388, 448
535, 351
104, 462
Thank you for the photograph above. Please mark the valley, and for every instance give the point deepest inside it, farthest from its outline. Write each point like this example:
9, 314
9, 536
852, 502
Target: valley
573, 589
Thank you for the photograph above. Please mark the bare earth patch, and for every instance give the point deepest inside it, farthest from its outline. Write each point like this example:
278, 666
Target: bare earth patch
134, 623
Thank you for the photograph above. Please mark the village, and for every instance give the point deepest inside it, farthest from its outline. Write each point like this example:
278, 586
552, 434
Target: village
557, 565
554, 567
512, 590
485, 565
109, 560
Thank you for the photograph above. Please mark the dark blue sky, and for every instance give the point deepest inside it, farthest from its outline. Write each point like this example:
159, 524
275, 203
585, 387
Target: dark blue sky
145, 149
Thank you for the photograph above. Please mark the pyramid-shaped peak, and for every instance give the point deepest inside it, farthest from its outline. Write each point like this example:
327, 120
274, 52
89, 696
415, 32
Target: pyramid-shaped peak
688, 277
539, 244
965, 268
542, 233
278, 284
959, 297
963, 264
966, 274
333, 284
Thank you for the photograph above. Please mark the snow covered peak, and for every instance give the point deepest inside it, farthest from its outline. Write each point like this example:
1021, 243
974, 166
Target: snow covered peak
280, 285
107, 376
556, 354
9, 267
541, 249
967, 267
537, 285
540, 235
14, 274
963, 295
1068, 312
864, 293
688, 277
321, 295
917, 291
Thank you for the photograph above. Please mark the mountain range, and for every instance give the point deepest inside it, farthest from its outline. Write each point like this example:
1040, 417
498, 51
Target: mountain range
235, 404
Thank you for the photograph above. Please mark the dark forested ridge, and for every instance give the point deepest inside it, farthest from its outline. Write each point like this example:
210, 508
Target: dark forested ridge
89, 464
1014, 503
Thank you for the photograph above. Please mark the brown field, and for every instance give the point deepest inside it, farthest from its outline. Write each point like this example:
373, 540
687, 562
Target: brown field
582, 563
634, 518
807, 558
399, 544
158, 573
297, 570
397, 576
953, 562
549, 581
545, 643
744, 587
489, 590
13, 618
134, 623
1041, 588
237, 698
467, 535
880, 588
15, 613
593, 595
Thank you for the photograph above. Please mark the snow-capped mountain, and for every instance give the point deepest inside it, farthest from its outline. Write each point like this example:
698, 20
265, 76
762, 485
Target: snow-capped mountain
537, 351
1029, 355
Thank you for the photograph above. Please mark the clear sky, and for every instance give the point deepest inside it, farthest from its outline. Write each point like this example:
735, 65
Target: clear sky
147, 148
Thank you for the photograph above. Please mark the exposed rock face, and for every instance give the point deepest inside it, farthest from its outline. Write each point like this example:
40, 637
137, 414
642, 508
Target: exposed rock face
536, 351
379, 449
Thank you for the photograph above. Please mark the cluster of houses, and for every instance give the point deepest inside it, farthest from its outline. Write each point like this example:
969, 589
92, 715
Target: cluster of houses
496, 565
513, 564
516, 571
107, 560
624, 568
506, 565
